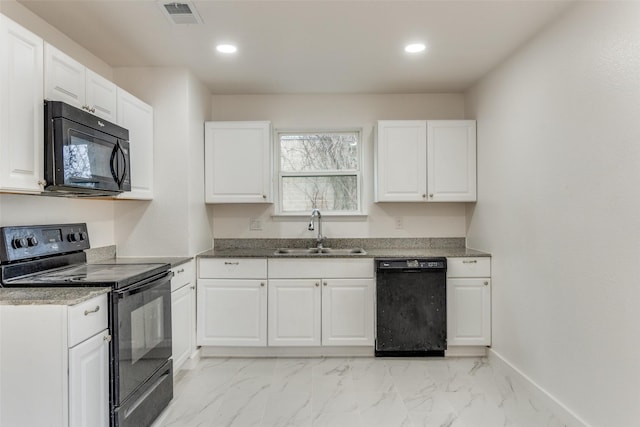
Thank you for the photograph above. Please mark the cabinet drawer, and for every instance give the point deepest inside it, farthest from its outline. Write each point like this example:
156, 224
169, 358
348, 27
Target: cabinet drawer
232, 268
182, 275
469, 267
340, 268
87, 319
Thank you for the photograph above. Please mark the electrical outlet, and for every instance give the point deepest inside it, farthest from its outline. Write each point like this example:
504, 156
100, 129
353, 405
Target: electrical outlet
255, 224
399, 222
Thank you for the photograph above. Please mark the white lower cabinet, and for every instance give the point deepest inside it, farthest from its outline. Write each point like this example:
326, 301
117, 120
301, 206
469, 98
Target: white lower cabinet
469, 301
294, 312
89, 382
327, 302
233, 312
183, 314
54, 364
299, 303
347, 312
232, 302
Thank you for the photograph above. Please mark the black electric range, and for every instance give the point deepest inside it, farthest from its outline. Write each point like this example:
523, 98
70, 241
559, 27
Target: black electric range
141, 369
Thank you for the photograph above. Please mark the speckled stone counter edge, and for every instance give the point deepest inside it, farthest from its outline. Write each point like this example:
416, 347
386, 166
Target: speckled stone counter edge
375, 247
367, 243
49, 296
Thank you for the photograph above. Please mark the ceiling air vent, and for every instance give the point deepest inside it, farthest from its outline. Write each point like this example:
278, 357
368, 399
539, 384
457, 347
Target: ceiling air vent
181, 12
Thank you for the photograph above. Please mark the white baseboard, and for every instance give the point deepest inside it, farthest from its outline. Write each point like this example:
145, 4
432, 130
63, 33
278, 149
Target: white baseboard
354, 351
568, 417
465, 351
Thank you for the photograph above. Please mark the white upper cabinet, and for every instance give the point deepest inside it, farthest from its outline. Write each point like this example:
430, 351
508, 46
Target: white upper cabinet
238, 162
137, 117
420, 160
451, 160
21, 109
100, 95
401, 161
69, 81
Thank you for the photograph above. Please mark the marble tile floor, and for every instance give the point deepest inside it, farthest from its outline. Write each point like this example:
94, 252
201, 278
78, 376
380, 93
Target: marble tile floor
351, 392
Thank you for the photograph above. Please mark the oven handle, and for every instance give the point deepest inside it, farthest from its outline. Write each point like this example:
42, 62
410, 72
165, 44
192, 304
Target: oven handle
144, 285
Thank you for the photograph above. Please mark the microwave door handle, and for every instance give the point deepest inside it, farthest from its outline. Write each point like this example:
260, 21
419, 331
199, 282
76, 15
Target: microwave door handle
124, 165
113, 163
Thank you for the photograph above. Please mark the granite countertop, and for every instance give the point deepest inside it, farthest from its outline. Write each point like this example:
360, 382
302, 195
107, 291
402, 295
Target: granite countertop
370, 253
173, 261
49, 296
375, 248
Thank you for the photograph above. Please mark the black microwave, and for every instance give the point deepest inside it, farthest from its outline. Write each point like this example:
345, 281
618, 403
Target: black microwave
84, 154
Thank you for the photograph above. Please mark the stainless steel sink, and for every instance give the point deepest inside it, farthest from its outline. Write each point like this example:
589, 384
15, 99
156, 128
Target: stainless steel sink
320, 251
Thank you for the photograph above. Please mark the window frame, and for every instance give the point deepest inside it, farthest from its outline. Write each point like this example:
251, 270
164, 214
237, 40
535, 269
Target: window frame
279, 175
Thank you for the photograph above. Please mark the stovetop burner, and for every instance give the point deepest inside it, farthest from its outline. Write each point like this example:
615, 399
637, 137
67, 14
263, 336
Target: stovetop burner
113, 275
53, 255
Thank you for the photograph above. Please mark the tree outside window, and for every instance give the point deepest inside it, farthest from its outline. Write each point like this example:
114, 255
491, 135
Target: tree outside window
319, 170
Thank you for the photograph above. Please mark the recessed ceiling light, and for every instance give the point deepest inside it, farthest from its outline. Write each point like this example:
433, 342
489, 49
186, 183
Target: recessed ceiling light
414, 48
226, 48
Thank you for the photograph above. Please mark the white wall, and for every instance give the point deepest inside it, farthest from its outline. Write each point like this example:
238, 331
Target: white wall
326, 111
200, 226
559, 209
174, 222
29, 209
16, 209
53, 36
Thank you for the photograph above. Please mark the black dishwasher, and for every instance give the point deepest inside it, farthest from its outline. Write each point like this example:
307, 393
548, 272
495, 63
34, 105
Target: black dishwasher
411, 307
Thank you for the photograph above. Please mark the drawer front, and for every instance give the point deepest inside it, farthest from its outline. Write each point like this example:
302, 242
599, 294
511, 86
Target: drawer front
87, 319
334, 268
232, 268
182, 275
469, 267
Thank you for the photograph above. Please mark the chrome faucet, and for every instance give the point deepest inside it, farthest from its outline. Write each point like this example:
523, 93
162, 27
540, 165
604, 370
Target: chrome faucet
316, 213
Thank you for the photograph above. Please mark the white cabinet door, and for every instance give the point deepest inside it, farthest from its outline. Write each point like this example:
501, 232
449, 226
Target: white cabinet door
401, 152
182, 324
232, 312
347, 312
468, 311
451, 160
238, 162
137, 117
433, 161
100, 96
21, 109
89, 382
69, 81
65, 78
294, 312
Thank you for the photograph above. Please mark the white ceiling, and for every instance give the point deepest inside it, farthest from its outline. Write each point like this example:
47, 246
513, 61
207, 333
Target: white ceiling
309, 46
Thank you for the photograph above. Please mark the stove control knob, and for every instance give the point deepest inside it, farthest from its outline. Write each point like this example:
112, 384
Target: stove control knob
20, 242
32, 241
83, 235
73, 237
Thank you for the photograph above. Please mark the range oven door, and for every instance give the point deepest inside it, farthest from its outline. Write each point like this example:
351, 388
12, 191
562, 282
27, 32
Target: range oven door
140, 321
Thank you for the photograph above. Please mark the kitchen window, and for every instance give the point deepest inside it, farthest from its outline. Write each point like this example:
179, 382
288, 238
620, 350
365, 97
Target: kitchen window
319, 169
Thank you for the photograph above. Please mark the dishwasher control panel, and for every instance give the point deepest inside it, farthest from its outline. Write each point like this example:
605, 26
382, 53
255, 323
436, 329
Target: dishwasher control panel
413, 263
